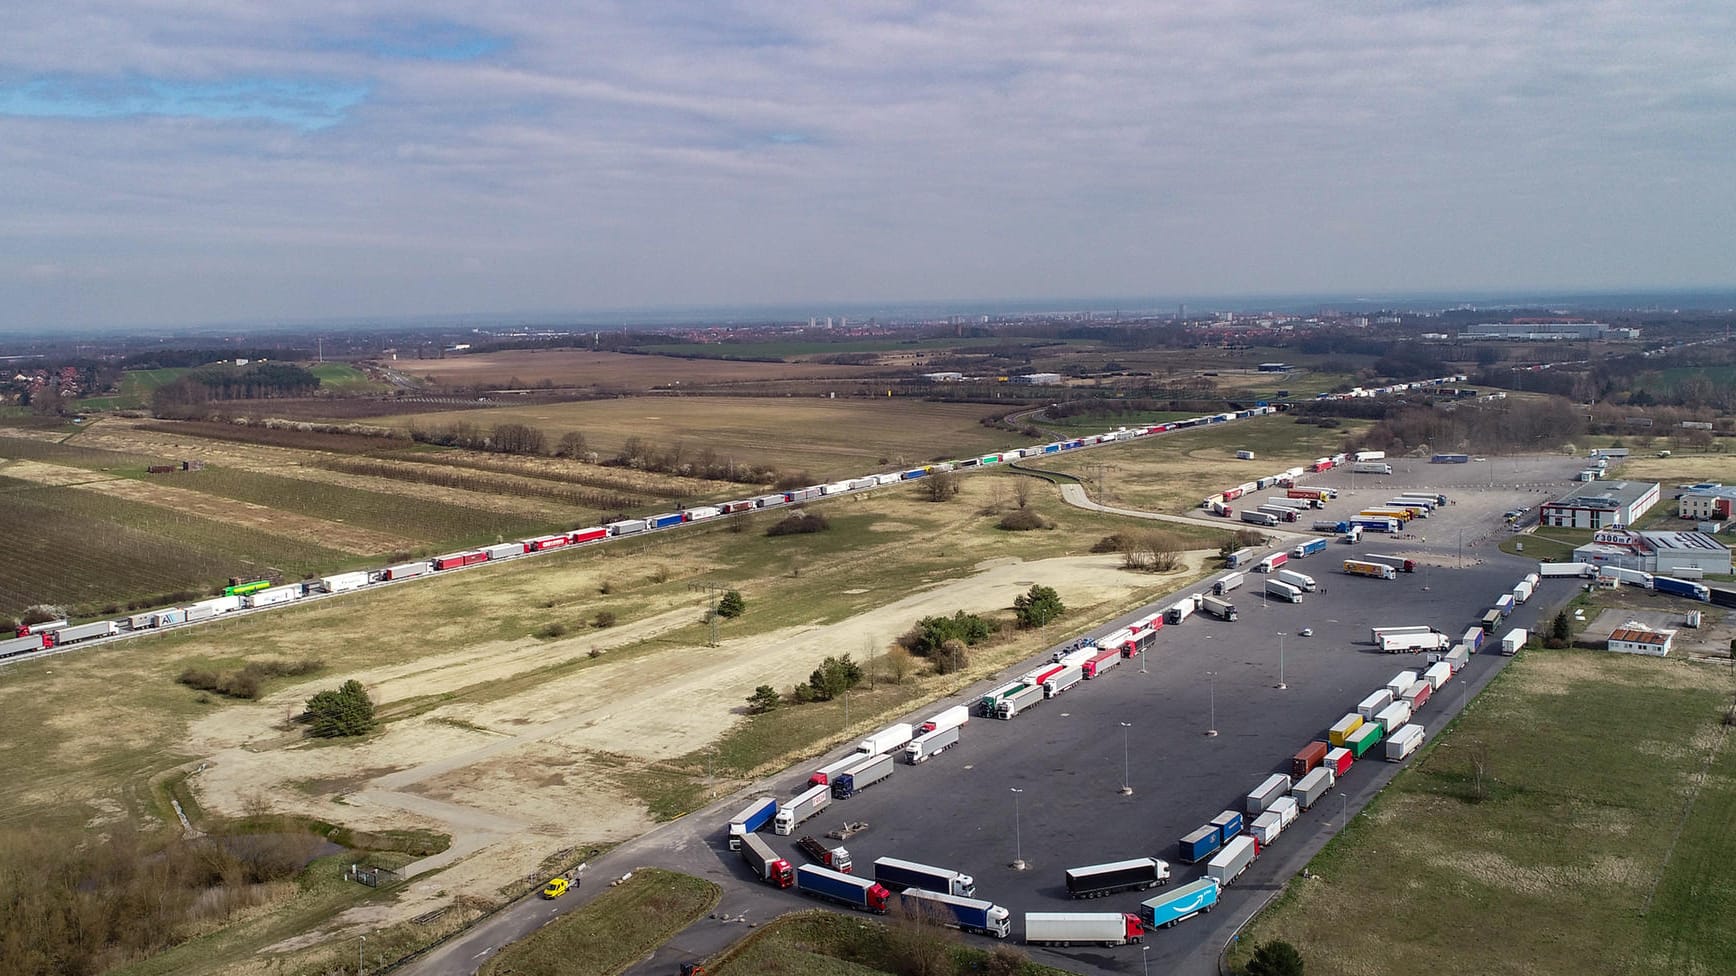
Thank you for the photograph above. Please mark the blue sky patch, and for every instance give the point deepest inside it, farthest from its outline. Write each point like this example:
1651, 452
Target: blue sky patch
421, 40
298, 103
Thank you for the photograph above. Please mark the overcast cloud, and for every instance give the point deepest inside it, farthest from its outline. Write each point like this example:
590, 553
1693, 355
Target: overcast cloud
191, 160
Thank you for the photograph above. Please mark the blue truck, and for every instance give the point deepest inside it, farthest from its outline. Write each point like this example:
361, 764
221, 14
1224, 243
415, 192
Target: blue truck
1681, 587
968, 914
665, 521
1313, 546
1181, 904
1336, 528
1229, 826
757, 814
863, 893
1450, 459
1199, 845
913, 474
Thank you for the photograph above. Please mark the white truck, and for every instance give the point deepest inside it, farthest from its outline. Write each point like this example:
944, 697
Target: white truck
1514, 640
1066, 928
1370, 467
1302, 581
1372, 705
1281, 590
344, 582
887, 739
1062, 680
1260, 799
1228, 582
1228, 864
1412, 643
1221, 609
1556, 570
804, 805
930, 744
1180, 611
1402, 743
950, 718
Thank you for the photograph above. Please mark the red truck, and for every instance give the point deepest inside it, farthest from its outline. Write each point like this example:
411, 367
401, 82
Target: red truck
766, 864
589, 535
1304, 762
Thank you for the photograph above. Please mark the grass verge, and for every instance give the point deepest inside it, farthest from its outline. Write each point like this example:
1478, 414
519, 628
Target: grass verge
818, 943
1607, 801
612, 932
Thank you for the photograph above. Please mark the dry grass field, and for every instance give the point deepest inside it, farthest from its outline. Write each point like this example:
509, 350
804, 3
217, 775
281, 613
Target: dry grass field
827, 438
520, 746
607, 370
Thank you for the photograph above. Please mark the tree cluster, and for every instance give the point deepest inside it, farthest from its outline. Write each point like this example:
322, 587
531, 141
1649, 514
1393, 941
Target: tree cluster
1038, 607
940, 486
832, 678
347, 711
192, 391
930, 633
248, 681
641, 454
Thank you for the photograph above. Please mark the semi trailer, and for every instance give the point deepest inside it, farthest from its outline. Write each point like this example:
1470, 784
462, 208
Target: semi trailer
859, 777
765, 863
1259, 799
836, 858
1228, 864
845, 889
756, 815
898, 875
1359, 567
930, 744
1066, 928
1280, 590
1171, 908
804, 805
1221, 609
968, 914
1098, 880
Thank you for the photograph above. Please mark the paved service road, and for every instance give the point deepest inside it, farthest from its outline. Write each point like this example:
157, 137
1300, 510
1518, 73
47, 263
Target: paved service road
1066, 756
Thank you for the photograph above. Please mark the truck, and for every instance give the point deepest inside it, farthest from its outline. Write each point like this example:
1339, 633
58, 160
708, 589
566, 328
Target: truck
1681, 587
1286, 809
1399, 682
1450, 459
1301, 581
1491, 620
1101, 662
825, 774
1312, 546
887, 739
1632, 577
1368, 456
1399, 563
1438, 674
1307, 758
1221, 609
1412, 643
1371, 706
863, 893
1514, 640
1198, 844
930, 744
1228, 824
765, 863
989, 705
897, 875
1239, 558
1417, 695
1559, 570
967, 914
804, 805
836, 858
1265, 519
1174, 907
1228, 864
79, 632
1283, 591
1376, 523
1309, 789
1370, 467
1416, 507
341, 582
1339, 760
1359, 567
1458, 657
1244, 455
950, 718
858, 778
752, 817
22, 645
1228, 582
406, 570
1271, 563
1060, 681
1376, 633
1334, 527
1259, 799
276, 595
1342, 728
1066, 928
1402, 743
1180, 611
1505, 604
1019, 700
1352, 535
1473, 639
1365, 738
1098, 880
1393, 716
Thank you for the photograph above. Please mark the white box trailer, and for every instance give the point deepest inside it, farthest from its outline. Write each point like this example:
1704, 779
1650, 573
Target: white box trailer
1522, 591
1179, 611
1557, 570
1228, 582
1286, 808
1402, 743
1259, 799
1438, 674
1400, 682
1266, 828
78, 632
804, 805
1302, 581
950, 718
887, 739
930, 744
1281, 590
1066, 928
1514, 640
1458, 657
1393, 716
1228, 864
344, 582
1062, 680
275, 595
1371, 706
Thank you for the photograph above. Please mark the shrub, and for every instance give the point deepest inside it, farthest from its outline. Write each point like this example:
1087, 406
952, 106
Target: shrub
833, 677
764, 699
732, 605
800, 523
931, 632
550, 630
1023, 520
603, 619
1039, 606
345, 711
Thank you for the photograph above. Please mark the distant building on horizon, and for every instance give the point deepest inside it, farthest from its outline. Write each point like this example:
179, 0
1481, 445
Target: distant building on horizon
1547, 331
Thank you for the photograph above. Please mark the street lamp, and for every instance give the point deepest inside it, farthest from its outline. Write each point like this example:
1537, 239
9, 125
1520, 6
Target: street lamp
359, 946
1343, 811
1144, 960
1281, 685
1018, 840
1126, 786
1212, 690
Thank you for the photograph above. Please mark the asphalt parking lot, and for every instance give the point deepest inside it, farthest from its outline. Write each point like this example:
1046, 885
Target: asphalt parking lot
1066, 757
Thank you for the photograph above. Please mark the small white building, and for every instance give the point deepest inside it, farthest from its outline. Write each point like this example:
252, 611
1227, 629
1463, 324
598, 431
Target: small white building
943, 377
1601, 505
1039, 379
1707, 504
1634, 637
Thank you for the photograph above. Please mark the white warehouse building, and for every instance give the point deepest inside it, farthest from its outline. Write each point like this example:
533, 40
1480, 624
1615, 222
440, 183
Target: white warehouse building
1690, 555
1601, 505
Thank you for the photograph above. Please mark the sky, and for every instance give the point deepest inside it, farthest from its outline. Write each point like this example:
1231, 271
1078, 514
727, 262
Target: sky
193, 161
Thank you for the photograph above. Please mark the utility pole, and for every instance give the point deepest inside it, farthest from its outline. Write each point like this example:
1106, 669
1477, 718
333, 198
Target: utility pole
1018, 840
1126, 786
1281, 685
1212, 690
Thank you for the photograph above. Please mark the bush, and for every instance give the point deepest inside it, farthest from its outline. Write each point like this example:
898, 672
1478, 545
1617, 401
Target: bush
940, 486
800, 523
603, 619
1023, 520
764, 699
833, 677
732, 605
1039, 606
1275, 959
931, 632
549, 631
248, 682
346, 711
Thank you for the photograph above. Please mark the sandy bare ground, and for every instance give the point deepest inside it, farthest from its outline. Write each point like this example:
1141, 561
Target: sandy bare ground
516, 778
304, 528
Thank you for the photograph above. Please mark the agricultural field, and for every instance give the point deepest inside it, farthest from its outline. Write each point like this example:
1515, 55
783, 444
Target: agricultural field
1611, 844
525, 368
827, 438
798, 349
1172, 472
516, 724
344, 378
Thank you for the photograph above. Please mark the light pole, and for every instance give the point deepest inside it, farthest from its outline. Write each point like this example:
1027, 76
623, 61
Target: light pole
1126, 786
1343, 811
1018, 840
1144, 960
362, 943
1281, 685
1212, 690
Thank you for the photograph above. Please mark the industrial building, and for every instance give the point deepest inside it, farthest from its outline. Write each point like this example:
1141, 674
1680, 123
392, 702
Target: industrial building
1600, 505
1710, 503
1634, 637
1039, 379
1690, 555
1548, 331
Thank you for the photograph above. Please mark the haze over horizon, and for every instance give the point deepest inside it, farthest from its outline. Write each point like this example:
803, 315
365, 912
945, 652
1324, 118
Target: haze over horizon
184, 163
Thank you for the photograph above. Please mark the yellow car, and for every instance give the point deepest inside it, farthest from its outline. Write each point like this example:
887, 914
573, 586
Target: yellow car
556, 888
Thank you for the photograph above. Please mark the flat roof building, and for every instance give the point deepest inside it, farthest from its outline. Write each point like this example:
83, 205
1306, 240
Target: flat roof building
1600, 505
1713, 502
1039, 379
1548, 331
1634, 637
1685, 554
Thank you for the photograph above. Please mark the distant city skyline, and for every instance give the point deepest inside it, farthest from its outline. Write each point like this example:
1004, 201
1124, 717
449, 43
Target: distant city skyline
188, 165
